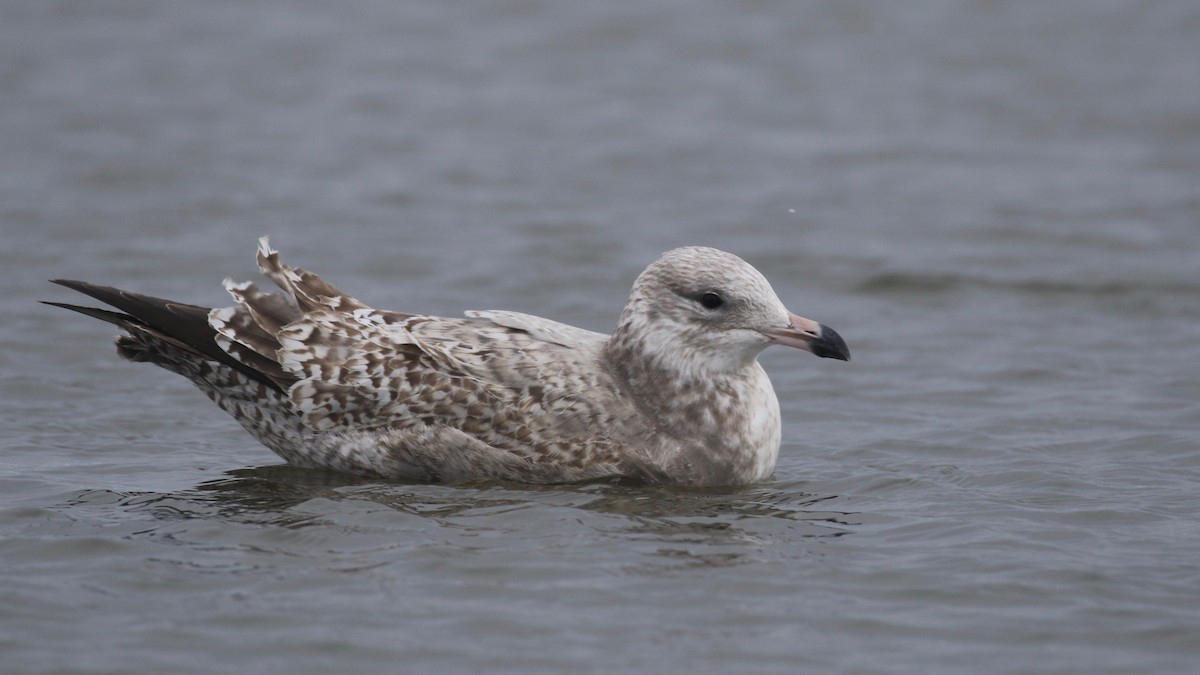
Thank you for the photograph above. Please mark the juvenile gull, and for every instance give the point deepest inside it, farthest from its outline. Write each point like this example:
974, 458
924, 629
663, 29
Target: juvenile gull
674, 395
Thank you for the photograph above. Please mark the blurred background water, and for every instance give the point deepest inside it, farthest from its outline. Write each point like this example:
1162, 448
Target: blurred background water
996, 203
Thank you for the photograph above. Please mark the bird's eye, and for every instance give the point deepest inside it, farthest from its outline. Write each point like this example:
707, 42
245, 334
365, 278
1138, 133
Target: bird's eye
711, 300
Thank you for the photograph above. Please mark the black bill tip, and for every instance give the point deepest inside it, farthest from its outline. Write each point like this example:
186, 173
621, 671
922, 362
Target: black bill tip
830, 345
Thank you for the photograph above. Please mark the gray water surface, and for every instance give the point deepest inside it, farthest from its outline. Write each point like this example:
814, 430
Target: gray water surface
996, 204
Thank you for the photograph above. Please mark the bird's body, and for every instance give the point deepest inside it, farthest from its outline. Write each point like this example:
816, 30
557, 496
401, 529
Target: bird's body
675, 395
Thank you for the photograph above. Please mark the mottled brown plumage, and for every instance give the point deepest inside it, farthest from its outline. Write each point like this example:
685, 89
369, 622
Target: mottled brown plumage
674, 395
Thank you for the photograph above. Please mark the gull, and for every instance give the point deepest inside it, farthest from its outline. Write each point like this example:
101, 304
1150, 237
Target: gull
675, 395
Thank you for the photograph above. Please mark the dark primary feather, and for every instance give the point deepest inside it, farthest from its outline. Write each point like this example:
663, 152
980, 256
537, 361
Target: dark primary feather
183, 325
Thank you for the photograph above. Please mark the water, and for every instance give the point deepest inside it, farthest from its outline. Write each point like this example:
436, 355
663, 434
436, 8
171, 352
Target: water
997, 204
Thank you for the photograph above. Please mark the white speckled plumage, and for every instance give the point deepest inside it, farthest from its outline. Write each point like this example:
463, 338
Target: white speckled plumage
675, 395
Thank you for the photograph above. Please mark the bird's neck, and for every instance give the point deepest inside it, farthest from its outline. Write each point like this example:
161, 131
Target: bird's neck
725, 421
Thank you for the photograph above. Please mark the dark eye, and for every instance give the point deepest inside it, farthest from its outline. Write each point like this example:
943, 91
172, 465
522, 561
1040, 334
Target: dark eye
711, 300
